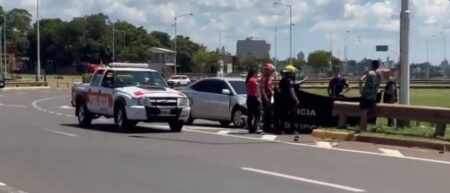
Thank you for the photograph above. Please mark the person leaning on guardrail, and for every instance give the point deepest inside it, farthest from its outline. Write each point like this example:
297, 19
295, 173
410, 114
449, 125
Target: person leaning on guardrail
337, 86
368, 87
390, 93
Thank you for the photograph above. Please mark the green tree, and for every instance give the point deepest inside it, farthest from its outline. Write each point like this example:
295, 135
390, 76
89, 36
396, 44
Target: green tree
18, 23
320, 61
163, 38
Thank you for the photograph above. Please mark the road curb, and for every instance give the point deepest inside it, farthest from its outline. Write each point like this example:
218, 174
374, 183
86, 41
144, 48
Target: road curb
338, 135
440, 146
26, 88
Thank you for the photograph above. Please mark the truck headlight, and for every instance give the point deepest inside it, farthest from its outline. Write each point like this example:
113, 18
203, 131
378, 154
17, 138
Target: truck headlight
142, 101
183, 102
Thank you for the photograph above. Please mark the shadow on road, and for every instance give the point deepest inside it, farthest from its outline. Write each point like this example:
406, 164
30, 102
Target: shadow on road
212, 125
199, 142
110, 128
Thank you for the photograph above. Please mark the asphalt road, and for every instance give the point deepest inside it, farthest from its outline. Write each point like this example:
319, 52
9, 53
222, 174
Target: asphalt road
43, 151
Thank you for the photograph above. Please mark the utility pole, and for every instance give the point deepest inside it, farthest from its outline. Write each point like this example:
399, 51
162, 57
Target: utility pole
175, 38
38, 78
290, 28
4, 45
331, 50
113, 43
404, 53
276, 46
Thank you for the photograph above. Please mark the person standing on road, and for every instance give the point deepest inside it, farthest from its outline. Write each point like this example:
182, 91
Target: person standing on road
390, 94
368, 87
253, 102
287, 101
266, 90
338, 86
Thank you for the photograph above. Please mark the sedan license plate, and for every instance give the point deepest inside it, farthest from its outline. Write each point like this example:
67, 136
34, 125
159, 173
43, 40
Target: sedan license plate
166, 112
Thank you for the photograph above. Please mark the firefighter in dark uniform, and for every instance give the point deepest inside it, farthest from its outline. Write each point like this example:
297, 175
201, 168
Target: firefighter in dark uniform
286, 101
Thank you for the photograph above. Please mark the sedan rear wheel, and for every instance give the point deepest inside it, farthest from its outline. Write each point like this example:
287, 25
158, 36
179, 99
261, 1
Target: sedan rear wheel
237, 117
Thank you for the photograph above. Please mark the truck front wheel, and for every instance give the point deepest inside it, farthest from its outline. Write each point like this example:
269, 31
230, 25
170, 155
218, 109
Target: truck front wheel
176, 126
122, 121
83, 115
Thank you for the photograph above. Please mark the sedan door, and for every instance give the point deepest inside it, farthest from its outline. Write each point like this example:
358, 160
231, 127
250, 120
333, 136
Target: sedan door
208, 102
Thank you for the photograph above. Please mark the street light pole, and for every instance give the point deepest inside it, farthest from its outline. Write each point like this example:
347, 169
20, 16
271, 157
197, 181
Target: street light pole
428, 59
290, 28
276, 47
404, 53
4, 44
113, 43
175, 40
38, 44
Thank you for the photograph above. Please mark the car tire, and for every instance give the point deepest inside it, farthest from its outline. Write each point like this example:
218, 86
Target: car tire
84, 116
236, 117
225, 123
190, 121
122, 121
176, 126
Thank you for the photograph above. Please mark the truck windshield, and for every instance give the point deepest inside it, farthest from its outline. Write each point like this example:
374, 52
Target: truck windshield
139, 79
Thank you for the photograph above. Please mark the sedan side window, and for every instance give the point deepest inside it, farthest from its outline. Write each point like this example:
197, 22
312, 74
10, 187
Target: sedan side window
203, 86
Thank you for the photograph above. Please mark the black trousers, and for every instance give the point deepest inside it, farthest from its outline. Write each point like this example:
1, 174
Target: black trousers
267, 116
253, 113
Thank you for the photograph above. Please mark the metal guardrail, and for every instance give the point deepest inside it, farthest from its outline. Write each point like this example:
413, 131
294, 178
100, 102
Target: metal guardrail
438, 115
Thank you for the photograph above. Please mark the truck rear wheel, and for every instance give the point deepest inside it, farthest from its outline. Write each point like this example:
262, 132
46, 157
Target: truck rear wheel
83, 115
176, 126
122, 121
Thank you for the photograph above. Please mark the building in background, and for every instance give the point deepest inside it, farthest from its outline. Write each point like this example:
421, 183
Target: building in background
252, 48
301, 56
162, 60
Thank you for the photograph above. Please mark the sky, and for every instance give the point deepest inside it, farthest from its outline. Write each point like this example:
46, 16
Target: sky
356, 26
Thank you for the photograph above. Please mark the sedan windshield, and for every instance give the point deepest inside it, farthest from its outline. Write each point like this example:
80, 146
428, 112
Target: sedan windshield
238, 86
139, 79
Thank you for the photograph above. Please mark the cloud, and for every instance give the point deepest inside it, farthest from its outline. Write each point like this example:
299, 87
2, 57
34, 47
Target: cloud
373, 20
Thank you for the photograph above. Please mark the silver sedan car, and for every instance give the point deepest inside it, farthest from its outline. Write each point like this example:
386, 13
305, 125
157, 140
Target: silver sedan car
218, 99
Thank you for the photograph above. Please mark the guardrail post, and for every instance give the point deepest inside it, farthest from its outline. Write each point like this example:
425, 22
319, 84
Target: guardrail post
342, 123
440, 129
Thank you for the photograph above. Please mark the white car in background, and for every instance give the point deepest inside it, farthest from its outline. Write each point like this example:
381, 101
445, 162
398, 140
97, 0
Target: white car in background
179, 80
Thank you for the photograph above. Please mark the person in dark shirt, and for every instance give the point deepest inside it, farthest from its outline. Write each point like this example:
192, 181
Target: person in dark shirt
286, 101
390, 94
338, 86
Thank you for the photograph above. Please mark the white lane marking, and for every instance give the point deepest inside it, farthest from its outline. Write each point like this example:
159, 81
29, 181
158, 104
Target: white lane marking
15, 106
70, 116
269, 137
67, 107
205, 128
223, 132
61, 133
391, 152
51, 112
34, 103
9, 189
59, 114
306, 180
324, 144
20, 93
335, 149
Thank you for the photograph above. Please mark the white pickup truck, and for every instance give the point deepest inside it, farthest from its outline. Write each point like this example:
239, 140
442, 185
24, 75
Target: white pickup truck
129, 95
